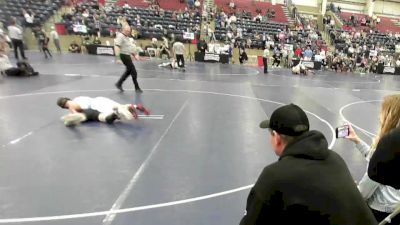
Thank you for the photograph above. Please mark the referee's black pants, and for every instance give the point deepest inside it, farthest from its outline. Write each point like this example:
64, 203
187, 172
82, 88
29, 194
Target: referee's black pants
180, 60
130, 70
265, 61
18, 44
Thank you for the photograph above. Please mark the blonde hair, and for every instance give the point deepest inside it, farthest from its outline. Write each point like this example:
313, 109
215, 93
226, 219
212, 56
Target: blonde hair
389, 117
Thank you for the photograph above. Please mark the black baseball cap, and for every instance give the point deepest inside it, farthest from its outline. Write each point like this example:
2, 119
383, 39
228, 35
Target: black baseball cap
61, 101
385, 162
289, 120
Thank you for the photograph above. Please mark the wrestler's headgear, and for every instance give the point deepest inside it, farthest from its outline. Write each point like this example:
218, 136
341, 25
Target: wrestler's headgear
62, 101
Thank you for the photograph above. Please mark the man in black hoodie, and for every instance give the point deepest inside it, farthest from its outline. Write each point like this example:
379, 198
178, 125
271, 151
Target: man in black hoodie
309, 184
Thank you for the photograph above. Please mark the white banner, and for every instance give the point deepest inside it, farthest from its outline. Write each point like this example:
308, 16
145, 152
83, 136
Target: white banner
211, 57
388, 69
308, 64
79, 28
188, 36
104, 51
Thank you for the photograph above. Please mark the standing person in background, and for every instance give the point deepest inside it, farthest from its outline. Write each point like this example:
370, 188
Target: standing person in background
265, 59
15, 34
179, 51
56, 39
124, 51
382, 199
44, 42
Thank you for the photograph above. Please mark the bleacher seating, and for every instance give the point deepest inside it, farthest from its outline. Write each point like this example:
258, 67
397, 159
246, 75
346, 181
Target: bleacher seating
164, 4
385, 25
370, 40
250, 28
252, 5
147, 16
41, 9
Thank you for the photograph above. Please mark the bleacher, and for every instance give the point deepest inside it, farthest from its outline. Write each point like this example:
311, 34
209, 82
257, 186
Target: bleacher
386, 24
41, 9
370, 40
249, 28
252, 5
147, 16
164, 4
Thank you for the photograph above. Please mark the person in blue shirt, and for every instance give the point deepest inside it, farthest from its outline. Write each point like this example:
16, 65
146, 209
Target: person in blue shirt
308, 54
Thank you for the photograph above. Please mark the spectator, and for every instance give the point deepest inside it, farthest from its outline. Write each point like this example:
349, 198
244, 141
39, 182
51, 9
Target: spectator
74, 47
96, 40
232, 4
298, 52
56, 39
310, 184
382, 199
197, 4
242, 55
277, 57
386, 159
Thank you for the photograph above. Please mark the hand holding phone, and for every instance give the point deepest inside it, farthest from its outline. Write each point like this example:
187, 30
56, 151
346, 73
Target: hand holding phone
342, 131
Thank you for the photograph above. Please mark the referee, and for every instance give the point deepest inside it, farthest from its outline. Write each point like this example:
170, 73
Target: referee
124, 50
15, 33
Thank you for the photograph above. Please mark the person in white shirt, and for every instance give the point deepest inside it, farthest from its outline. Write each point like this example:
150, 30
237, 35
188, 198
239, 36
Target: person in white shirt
232, 4
56, 39
179, 51
197, 4
382, 199
15, 34
124, 51
28, 18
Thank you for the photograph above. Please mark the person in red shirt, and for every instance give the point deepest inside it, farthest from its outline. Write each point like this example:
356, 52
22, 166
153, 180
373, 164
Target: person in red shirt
298, 52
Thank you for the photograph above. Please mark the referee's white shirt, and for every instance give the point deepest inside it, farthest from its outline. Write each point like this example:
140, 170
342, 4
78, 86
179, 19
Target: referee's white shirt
14, 32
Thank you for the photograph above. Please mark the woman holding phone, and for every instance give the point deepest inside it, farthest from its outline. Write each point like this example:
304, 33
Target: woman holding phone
382, 199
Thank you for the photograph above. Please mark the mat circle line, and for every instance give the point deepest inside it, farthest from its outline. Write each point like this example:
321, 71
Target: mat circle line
160, 205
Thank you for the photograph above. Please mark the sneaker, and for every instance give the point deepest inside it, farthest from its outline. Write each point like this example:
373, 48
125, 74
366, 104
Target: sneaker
73, 119
123, 112
141, 108
139, 90
119, 87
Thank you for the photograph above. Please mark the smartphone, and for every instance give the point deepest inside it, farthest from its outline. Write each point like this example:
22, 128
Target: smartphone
342, 131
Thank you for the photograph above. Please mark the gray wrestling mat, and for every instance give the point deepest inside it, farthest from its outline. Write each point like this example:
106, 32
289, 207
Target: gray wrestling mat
194, 164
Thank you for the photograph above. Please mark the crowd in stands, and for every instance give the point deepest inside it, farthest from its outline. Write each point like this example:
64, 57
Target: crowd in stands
28, 12
363, 50
148, 23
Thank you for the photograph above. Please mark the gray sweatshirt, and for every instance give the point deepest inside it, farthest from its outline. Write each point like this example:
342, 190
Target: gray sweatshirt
380, 197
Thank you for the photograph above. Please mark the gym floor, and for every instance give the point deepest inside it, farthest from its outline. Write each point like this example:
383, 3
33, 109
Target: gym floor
192, 162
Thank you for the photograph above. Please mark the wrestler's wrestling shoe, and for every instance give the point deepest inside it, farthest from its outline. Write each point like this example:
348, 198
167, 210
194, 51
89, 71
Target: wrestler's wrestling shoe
133, 111
123, 112
73, 119
141, 108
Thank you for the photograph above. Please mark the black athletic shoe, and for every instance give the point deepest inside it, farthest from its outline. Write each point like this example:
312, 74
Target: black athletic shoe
119, 87
139, 90
111, 118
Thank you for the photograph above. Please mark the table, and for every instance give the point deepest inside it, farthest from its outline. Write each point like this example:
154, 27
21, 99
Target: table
100, 50
211, 57
316, 65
